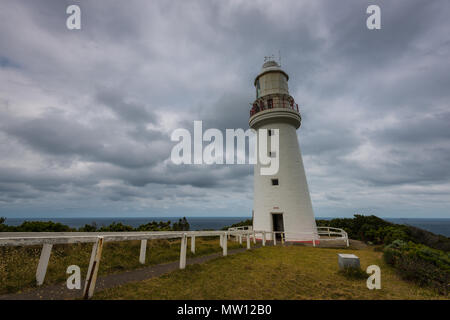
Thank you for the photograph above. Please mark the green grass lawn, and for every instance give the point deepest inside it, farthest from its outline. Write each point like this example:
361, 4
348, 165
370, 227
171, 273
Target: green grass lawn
18, 264
291, 272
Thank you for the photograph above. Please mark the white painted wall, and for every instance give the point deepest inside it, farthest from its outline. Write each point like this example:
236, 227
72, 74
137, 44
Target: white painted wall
291, 196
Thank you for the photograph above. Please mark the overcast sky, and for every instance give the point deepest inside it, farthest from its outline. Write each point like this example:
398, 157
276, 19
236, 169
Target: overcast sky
86, 115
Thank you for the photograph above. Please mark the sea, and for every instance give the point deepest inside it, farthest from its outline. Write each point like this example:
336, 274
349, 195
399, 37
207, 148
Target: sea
195, 223
436, 225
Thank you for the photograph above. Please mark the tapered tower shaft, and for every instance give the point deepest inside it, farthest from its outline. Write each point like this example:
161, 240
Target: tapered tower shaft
281, 201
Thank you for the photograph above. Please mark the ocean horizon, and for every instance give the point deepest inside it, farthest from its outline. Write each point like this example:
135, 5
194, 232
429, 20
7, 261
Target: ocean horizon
435, 225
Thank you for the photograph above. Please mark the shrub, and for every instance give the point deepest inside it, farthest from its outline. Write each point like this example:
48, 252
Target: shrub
365, 228
248, 222
419, 263
41, 226
116, 227
155, 226
181, 225
88, 228
378, 231
353, 273
49, 226
429, 239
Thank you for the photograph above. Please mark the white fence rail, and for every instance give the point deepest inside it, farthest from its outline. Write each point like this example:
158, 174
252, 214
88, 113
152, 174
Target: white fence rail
250, 228
48, 239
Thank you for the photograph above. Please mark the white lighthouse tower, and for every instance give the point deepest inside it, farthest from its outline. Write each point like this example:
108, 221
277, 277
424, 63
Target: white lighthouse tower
281, 201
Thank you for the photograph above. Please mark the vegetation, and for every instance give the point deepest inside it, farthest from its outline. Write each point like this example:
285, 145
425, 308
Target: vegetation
248, 222
353, 273
18, 264
419, 263
374, 230
181, 225
418, 255
49, 226
34, 226
290, 272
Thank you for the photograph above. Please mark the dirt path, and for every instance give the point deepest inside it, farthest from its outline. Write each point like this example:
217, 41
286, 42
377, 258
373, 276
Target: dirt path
60, 291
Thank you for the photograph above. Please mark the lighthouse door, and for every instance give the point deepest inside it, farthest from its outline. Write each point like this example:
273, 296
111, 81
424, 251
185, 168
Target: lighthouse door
278, 224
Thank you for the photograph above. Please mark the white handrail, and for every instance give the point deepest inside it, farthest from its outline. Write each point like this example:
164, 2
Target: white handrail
240, 228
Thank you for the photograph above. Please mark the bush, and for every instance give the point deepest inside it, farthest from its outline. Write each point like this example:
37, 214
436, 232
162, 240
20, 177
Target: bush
181, 225
378, 231
353, 273
49, 226
155, 226
248, 222
37, 226
88, 228
420, 263
429, 239
116, 227
365, 228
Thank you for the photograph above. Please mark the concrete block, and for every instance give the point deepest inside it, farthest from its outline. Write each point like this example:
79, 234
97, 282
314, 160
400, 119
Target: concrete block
348, 261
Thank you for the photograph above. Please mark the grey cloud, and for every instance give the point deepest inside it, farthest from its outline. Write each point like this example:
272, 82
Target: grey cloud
424, 130
129, 111
87, 115
101, 141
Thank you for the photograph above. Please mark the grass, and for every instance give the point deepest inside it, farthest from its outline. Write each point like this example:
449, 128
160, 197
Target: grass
291, 272
18, 264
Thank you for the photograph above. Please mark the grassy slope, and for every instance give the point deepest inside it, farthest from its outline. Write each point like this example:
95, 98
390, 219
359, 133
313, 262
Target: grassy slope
18, 264
273, 273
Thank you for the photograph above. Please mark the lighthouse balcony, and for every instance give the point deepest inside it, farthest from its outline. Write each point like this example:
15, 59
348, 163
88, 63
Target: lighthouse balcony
275, 115
274, 101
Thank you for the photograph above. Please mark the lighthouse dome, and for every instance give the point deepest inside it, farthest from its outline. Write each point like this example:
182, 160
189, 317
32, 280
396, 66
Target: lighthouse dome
270, 63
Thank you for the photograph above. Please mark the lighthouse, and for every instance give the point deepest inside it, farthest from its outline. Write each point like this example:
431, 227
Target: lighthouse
281, 201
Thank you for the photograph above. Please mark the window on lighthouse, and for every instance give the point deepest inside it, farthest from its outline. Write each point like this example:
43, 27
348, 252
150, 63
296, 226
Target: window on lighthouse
275, 182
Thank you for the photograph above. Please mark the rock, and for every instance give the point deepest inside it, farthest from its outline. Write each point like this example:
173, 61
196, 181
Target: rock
348, 261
